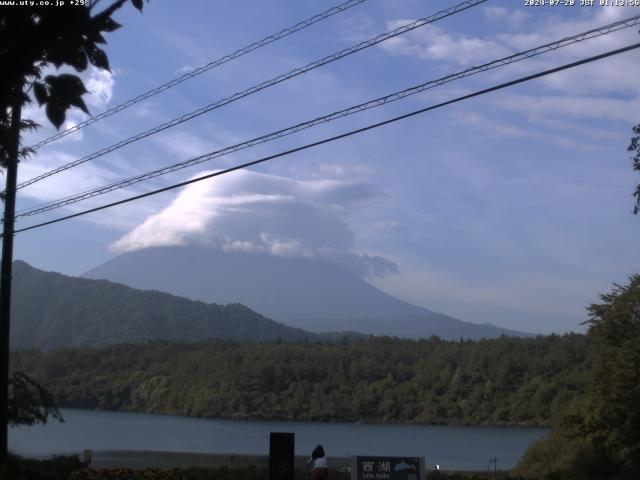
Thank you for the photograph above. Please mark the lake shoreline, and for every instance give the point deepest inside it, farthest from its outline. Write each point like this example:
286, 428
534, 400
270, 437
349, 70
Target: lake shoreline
168, 441
138, 459
250, 418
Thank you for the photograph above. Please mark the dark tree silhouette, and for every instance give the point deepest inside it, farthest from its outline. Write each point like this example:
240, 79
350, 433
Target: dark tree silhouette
30, 402
32, 39
634, 146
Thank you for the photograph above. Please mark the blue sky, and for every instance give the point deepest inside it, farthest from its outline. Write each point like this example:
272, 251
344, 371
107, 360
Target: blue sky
512, 208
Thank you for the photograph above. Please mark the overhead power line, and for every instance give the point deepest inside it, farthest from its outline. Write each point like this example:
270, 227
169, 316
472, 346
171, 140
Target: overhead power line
589, 34
341, 136
256, 88
204, 68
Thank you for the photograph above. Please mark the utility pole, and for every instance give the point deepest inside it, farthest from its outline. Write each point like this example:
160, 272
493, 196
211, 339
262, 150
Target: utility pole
6, 274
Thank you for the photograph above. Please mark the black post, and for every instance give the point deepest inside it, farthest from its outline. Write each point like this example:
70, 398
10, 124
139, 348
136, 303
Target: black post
281, 456
5, 276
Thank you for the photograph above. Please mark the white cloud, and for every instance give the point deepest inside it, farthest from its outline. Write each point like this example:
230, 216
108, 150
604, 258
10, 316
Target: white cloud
254, 212
77, 180
185, 69
614, 75
487, 124
343, 169
58, 186
100, 84
512, 18
185, 144
557, 116
606, 90
435, 43
579, 107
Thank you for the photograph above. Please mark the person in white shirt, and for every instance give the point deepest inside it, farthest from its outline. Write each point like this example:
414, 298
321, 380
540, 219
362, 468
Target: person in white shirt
318, 463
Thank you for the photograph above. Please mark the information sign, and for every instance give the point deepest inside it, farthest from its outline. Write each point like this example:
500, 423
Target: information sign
387, 468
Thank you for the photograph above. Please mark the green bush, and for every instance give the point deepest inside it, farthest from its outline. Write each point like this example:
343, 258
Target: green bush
58, 468
598, 436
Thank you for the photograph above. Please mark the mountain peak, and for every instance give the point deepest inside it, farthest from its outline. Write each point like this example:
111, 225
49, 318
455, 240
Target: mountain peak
21, 265
305, 293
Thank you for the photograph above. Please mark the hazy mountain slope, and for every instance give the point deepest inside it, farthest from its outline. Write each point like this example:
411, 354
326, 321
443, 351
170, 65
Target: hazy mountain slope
305, 293
52, 310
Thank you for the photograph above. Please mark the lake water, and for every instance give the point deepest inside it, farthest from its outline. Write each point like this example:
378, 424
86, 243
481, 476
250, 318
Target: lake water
460, 448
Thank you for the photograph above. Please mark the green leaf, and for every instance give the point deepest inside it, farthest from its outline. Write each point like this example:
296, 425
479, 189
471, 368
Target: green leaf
94, 35
64, 91
65, 86
137, 4
98, 58
107, 24
55, 114
28, 125
79, 102
40, 92
79, 60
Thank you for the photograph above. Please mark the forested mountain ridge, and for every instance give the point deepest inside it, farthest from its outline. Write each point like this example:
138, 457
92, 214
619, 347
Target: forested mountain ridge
505, 381
51, 310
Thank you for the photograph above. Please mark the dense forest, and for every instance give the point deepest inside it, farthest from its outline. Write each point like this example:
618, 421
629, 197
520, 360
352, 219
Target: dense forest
505, 381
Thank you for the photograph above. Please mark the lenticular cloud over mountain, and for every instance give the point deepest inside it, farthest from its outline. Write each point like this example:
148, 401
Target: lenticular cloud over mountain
253, 212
